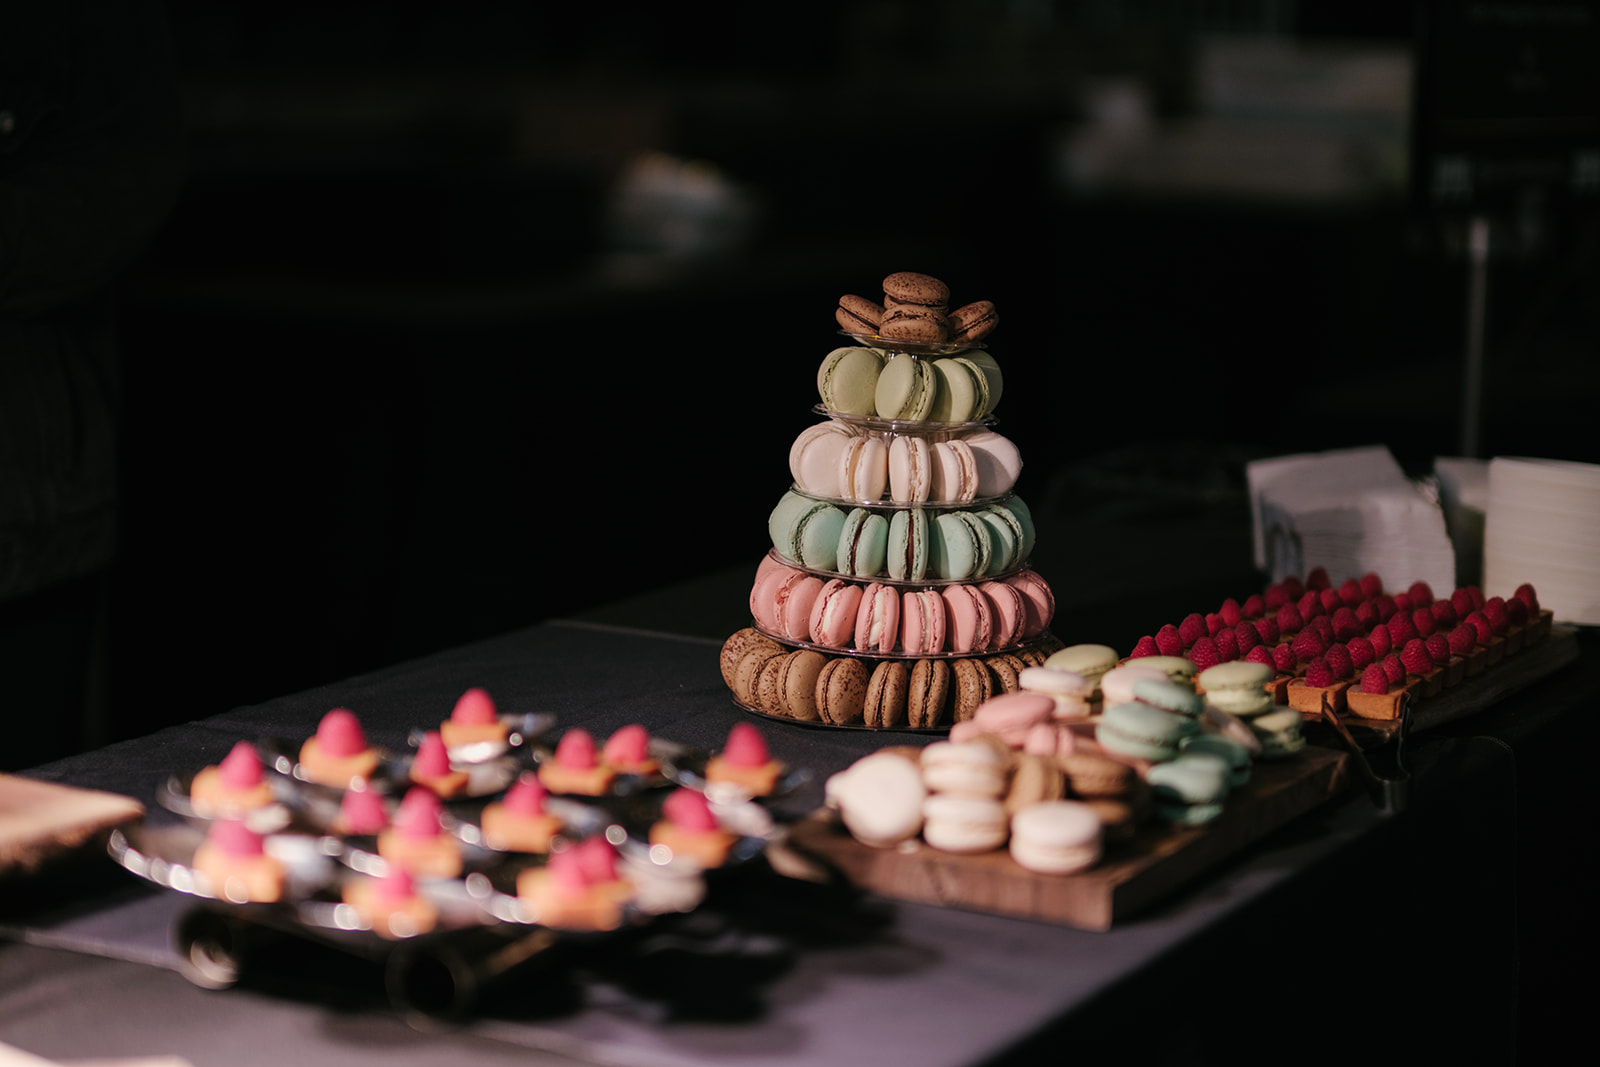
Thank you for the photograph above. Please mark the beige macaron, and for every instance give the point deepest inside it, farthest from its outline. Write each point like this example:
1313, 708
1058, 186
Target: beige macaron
964, 768
1056, 837
964, 824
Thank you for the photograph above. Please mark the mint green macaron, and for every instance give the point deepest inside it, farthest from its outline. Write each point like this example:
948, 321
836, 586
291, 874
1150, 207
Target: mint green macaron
863, 544
908, 545
1189, 790
806, 531
959, 546
1143, 732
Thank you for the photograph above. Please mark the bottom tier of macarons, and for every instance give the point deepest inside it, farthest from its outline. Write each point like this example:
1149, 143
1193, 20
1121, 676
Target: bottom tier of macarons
889, 693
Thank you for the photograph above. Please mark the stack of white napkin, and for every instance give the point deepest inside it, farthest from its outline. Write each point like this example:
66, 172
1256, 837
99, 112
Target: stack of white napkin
1543, 526
1351, 511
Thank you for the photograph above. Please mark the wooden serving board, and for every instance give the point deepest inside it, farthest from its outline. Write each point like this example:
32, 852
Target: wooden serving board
1470, 696
1130, 877
41, 822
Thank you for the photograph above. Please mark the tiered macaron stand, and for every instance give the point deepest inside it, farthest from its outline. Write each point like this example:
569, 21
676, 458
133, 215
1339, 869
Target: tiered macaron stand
1031, 646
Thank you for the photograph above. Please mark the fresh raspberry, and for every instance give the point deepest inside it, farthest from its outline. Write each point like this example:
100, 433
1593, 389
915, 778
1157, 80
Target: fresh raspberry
1307, 645
1331, 600
1346, 625
1214, 624
1227, 646
1269, 630
1203, 653
1444, 614
1318, 579
1254, 606
1289, 619
1275, 597
1517, 611
1382, 642
1374, 681
1393, 669
1361, 653
1310, 604
1461, 600
1480, 622
1415, 657
1495, 610
1230, 612
1338, 660
1192, 629
1402, 603
1260, 654
1324, 627
1387, 608
1145, 647
1477, 597
1169, 641
1421, 594
1438, 646
1402, 629
1246, 637
1422, 622
1367, 615
1530, 599
1284, 659
1463, 639
1350, 593
1292, 586
1318, 674
1371, 585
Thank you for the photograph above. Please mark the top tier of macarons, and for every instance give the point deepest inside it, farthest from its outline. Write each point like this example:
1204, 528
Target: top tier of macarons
917, 361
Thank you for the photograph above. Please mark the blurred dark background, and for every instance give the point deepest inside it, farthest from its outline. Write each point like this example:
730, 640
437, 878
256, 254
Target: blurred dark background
472, 315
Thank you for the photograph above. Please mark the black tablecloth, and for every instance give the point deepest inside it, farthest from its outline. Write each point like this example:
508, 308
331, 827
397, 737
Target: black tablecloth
1344, 917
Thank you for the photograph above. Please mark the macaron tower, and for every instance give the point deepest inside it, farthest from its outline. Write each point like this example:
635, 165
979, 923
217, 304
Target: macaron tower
900, 547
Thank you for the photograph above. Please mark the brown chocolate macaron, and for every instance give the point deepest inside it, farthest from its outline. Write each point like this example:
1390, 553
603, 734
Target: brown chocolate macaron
973, 322
918, 325
1007, 670
734, 648
842, 690
747, 672
908, 288
973, 685
929, 694
887, 693
769, 683
798, 684
859, 315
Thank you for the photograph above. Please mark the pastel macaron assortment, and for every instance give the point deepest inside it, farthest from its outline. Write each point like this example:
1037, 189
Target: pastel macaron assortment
817, 685
897, 594
836, 461
960, 618
905, 544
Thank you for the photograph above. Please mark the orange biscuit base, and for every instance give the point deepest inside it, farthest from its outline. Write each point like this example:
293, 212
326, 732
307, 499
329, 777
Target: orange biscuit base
1311, 698
645, 768
338, 771
708, 848
512, 832
585, 781
390, 919
211, 796
257, 879
758, 781
455, 734
444, 785
425, 857
1388, 705
599, 907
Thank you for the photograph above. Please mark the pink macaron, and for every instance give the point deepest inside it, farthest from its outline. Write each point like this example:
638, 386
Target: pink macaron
1012, 716
970, 627
792, 604
833, 614
922, 621
1009, 614
878, 618
1039, 601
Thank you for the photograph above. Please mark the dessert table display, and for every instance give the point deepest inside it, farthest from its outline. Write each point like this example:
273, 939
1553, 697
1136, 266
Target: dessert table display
775, 969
